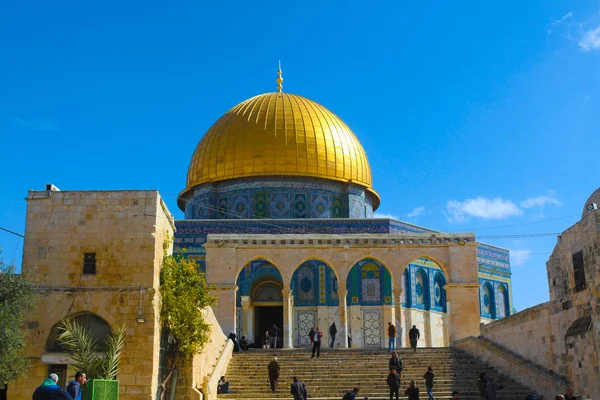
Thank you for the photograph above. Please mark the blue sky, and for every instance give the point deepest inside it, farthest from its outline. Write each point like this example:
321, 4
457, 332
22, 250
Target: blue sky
475, 117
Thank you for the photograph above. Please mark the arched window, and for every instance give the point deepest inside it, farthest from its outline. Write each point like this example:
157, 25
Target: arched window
405, 288
439, 293
98, 328
502, 302
254, 273
488, 300
314, 284
422, 289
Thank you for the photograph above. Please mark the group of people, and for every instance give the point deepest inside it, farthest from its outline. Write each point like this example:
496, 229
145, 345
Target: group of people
49, 389
395, 376
413, 337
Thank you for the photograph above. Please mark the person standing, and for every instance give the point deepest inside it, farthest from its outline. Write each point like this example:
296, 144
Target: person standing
274, 335
482, 385
274, 370
74, 388
49, 390
298, 390
266, 339
351, 395
412, 392
316, 339
491, 388
413, 336
332, 332
396, 363
393, 381
391, 337
429, 376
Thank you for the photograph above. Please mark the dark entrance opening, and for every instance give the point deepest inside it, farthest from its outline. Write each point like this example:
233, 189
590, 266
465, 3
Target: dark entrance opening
264, 318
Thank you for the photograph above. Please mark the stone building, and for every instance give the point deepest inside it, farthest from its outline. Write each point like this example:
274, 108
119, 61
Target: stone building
561, 336
96, 256
281, 164
278, 207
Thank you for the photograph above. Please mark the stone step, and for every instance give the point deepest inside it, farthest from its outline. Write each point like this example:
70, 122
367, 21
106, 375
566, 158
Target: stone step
337, 371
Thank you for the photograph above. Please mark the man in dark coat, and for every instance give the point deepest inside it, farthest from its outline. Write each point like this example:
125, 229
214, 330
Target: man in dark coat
49, 390
412, 392
298, 390
274, 369
393, 381
351, 395
332, 332
316, 339
413, 336
274, 335
482, 385
396, 363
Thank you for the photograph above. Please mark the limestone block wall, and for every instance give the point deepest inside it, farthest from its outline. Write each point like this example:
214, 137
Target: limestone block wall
200, 373
126, 230
563, 335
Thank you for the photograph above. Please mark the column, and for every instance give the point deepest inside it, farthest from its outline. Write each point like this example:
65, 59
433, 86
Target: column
288, 326
247, 319
400, 328
342, 293
463, 320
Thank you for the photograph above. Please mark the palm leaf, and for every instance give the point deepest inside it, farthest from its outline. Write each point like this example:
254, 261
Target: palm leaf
112, 355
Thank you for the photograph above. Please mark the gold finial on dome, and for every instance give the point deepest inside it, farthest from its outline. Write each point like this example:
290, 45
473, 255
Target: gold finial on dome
279, 79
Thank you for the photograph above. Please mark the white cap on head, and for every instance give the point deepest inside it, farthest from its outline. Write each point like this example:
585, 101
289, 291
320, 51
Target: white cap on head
54, 377
275, 358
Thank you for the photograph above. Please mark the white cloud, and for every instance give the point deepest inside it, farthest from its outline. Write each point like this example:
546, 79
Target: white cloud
386, 216
563, 18
519, 257
540, 201
590, 40
416, 212
481, 207
42, 125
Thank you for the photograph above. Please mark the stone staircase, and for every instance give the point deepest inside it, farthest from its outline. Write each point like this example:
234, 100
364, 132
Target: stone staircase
338, 371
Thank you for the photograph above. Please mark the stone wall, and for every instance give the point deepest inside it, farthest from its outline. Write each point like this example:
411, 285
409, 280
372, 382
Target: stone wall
519, 368
126, 230
563, 334
200, 374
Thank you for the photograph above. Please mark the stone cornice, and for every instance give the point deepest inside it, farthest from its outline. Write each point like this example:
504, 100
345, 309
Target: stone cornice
341, 240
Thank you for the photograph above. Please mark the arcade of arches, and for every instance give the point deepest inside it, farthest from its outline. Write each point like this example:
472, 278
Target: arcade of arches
311, 281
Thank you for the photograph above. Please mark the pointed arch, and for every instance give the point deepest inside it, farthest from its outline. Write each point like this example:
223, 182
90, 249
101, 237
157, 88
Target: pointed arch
369, 282
315, 283
502, 303
257, 258
256, 271
438, 264
487, 300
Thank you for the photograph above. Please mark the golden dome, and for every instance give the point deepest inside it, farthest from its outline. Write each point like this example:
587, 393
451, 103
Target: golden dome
280, 134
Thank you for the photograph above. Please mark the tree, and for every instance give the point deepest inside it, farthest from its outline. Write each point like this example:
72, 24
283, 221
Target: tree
17, 296
184, 295
97, 360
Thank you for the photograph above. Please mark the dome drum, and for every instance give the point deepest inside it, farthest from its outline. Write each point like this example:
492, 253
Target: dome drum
277, 199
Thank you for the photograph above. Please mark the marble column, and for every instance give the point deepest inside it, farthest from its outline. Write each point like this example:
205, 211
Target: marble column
342, 293
400, 328
288, 317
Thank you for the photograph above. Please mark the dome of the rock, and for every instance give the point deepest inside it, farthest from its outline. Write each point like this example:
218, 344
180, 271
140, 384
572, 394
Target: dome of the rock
279, 136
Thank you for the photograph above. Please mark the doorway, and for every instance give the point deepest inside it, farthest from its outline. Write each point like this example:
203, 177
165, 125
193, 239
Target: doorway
61, 371
264, 318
